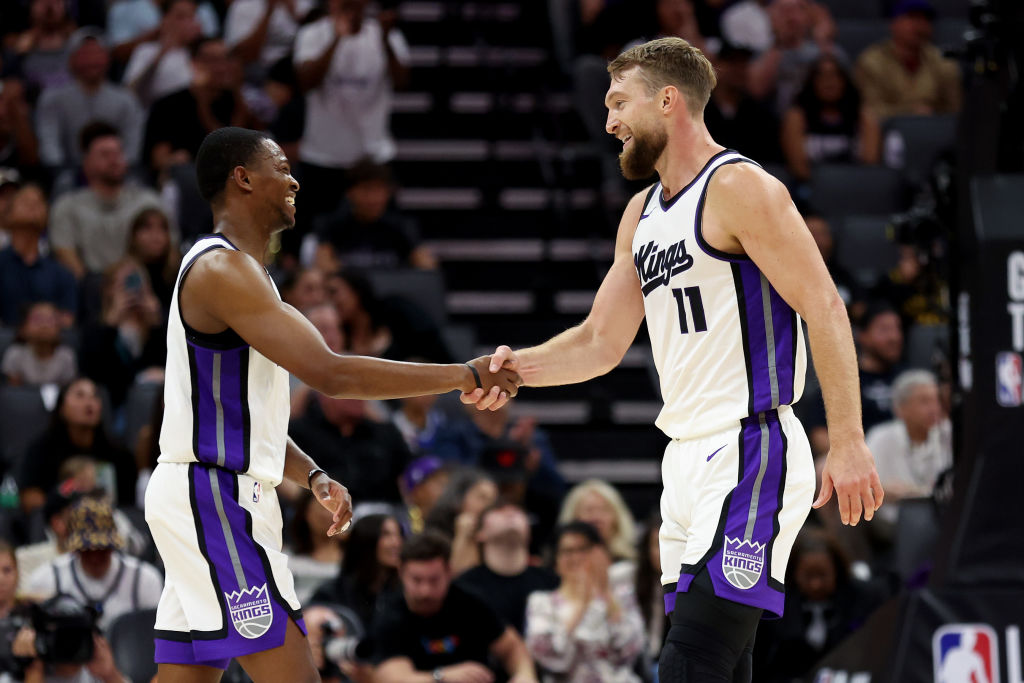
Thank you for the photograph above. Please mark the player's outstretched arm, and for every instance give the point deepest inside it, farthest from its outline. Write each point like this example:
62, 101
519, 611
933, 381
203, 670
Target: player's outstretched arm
244, 300
596, 345
749, 206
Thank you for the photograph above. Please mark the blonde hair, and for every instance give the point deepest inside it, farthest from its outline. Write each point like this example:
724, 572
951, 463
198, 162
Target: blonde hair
623, 545
670, 61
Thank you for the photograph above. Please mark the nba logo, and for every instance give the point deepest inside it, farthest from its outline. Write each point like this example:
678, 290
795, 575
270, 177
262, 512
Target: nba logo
257, 492
1008, 379
965, 653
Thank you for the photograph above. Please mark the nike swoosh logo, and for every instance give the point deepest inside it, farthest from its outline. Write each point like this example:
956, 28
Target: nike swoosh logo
715, 453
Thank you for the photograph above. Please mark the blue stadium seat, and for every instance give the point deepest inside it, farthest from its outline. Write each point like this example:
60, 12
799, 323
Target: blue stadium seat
131, 641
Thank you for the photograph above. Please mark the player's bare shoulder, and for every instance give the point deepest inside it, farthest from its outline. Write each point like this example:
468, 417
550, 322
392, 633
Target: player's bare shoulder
741, 197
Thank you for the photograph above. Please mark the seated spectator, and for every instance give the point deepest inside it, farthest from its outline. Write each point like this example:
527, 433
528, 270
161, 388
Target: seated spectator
262, 32
369, 570
62, 112
504, 577
40, 51
912, 450
456, 514
304, 289
152, 245
326, 321
915, 286
907, 74
827, 124
368, 456
604, 27
19, 147
76, 428
365, 231
850, 290
588, 629
418, 419
12, 607
315, 556
734, 118
55, 517
649, 594
598, 503
93, 571
748, 23
26, 274
131, 23
129, 342
37, 355
435, 628
162, 66
824, 605
89, 227
422, 484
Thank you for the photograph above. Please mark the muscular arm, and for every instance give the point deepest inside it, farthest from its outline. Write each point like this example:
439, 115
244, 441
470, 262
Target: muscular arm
246, 303
595, 346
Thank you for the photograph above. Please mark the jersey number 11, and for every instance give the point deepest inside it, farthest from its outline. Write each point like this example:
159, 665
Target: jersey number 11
696, 309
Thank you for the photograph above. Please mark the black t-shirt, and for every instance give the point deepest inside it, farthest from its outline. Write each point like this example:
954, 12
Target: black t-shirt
385, 243
461, 631
174, 119
507, 594
876, 396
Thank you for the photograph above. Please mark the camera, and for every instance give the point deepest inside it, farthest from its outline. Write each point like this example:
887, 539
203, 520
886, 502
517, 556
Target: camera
64, 630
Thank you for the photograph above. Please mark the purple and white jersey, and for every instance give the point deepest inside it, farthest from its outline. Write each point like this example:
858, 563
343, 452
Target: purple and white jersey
726, 345
225, 404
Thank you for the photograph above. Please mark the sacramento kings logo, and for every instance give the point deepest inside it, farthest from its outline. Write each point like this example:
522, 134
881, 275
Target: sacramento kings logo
742, 562
250, 610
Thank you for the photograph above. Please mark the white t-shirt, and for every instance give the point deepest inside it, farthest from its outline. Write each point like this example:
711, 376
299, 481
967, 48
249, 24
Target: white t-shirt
347, 116
173, 73
913, 467
245, 15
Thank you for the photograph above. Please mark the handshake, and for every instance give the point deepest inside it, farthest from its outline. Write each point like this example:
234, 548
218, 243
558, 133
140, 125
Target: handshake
496, 378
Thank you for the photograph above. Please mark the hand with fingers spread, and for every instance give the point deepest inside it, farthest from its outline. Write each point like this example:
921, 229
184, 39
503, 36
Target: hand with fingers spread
850, 471
335, 498
493, 398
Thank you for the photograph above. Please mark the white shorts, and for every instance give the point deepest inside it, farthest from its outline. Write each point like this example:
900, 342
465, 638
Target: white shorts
228, 591
734, 502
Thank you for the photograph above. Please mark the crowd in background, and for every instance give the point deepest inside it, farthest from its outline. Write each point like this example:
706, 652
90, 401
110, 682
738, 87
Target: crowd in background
102, 109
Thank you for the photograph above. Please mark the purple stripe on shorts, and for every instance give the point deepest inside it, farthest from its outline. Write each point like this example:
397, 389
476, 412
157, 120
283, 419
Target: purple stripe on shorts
173, 652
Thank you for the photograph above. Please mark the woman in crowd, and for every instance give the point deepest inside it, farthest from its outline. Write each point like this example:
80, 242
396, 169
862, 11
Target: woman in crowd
37, 355
76, 428
151, 244
599, 504
315, 556
457, 512
827, 122
587, 629
649, 595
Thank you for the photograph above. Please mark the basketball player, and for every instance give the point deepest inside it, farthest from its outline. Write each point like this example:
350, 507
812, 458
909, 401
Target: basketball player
720, 262
211, 504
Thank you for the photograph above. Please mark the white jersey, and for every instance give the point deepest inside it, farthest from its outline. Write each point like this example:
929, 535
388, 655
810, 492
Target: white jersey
225, 404
725, 343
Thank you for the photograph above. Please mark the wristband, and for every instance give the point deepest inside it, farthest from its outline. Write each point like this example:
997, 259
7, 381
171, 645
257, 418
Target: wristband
476, 376
312, 473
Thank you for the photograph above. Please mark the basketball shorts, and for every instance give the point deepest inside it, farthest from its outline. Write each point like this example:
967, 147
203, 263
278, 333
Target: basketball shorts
228, 591
734, 502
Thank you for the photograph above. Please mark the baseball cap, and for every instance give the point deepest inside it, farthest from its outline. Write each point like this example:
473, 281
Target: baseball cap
91, 526
901, 7
419, 470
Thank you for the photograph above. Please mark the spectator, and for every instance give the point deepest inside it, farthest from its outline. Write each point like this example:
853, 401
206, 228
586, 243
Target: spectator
649, 594
824, 604
880, 338
733, 117
748, 23
365, 232
850, 290
912, 450
286, 108
604, 27
436, 628
11, 607
827, 123
422, 484
89, 227
907, 74
37, 355
368, 456
26, 275
504, 577
315, 556
19, 147
678, 19
915, 287
418, 419
55, 517
262, 32
93, 572
347, 64
588, 629
151, 244
456, 514
370, 567
76, 428
40, 50
326, 321
162, 66
129, 342
305, 290
597, 503
179, 121
134, 22
62, 112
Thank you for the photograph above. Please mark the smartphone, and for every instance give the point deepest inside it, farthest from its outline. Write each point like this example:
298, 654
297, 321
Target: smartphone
133, 283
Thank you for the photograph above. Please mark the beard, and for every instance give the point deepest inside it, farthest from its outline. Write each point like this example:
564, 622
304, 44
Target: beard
637, 162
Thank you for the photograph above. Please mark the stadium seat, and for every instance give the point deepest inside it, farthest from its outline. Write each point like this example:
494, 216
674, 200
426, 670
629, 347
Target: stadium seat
923, 341
924, 139
138, 409
917, 530
23, 417
425, 288
840, 189
863, 246
854, 35
131, 640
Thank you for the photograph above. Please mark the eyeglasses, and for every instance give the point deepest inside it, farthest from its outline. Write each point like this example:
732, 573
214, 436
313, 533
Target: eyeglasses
574, 550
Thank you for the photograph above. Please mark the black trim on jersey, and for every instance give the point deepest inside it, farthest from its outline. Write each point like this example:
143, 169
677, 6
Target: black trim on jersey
193, 375
794, 321
772, 583
222, 632
666, 204
226, 339
647, 201
741, 305
698, 220
243, 394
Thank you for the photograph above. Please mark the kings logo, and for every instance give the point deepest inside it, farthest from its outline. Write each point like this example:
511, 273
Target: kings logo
250, 611
742, 562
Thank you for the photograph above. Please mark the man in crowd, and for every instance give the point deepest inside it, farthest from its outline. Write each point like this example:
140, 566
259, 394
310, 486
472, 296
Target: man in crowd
434, 631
